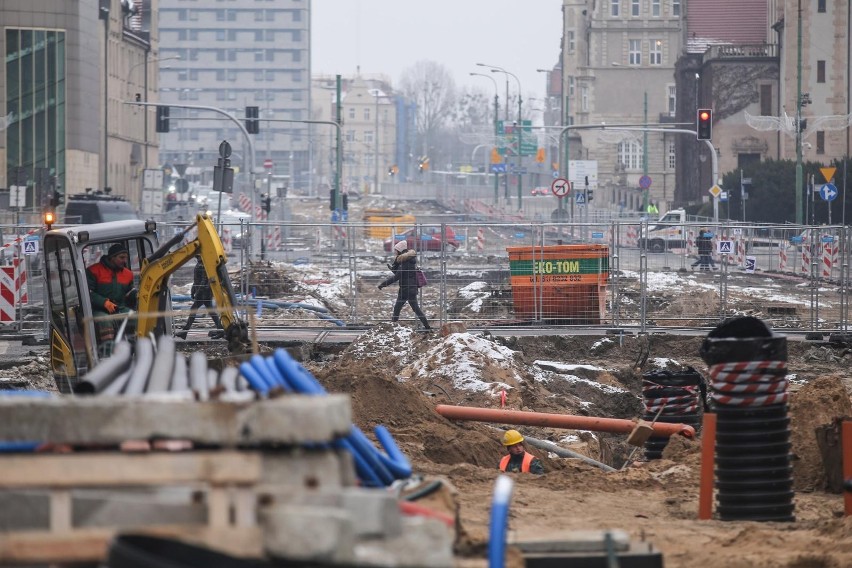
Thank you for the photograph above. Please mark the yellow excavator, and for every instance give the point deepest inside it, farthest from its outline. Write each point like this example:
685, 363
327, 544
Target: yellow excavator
74, 349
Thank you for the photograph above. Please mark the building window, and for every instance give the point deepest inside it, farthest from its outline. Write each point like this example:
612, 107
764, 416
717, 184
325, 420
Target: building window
367, 113
656, 52
352, 113
368, 136
766, 100
820, 142
193, 75
655, 8
570, 86
630, 154
350, 136
297, 15
570, 41
258, 35
258, 56
614, 8
634, 8
821, 71
671, 154
584, 99
672, 100
220, 15
258, 75
675, 7
634, 51
821, 6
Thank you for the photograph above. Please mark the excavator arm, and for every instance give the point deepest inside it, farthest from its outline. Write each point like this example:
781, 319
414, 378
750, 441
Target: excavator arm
157, 268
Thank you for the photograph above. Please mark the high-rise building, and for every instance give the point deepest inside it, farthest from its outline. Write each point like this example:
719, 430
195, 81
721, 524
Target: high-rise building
234, 55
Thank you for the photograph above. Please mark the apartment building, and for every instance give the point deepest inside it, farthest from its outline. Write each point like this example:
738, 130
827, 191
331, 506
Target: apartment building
233, 55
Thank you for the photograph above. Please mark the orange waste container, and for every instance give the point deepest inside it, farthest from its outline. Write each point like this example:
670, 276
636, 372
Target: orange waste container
560, 282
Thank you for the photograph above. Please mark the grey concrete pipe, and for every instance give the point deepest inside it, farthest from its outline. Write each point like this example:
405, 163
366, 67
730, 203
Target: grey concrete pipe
164, 362
107, 371
142, 367
198, 375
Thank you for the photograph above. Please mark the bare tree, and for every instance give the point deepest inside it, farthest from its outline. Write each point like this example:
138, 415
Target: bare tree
431, 87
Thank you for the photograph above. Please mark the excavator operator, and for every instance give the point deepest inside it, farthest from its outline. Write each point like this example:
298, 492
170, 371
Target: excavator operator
111, 289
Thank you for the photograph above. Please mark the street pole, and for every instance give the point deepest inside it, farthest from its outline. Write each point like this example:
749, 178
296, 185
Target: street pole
798, 192
496, 130
376, 147
646, 194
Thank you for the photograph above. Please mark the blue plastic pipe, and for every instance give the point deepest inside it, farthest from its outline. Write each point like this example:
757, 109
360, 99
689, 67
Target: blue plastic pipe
499, 522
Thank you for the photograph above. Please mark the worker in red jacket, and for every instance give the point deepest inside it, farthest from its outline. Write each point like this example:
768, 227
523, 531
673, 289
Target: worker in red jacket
110, 289
518, 458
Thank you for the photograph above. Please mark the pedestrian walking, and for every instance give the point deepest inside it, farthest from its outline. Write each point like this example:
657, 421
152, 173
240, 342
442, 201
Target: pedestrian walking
202, 297
404, 270
704, 243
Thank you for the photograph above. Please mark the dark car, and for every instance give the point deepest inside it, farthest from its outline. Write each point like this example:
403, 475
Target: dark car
97, 208
426, 239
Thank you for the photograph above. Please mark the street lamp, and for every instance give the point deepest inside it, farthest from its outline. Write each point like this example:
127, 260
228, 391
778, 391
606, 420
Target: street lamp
145, 62
496, 111
519, 127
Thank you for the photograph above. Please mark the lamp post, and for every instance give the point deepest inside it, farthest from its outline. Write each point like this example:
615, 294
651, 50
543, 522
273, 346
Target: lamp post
519, 127
145, 62
496, 111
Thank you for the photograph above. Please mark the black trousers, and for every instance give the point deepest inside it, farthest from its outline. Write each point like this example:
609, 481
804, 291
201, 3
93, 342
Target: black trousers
193, 312
408, 295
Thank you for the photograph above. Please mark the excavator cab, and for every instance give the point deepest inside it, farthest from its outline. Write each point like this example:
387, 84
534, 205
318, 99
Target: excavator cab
74, 346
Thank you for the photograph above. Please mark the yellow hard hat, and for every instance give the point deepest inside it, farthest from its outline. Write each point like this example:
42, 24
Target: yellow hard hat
512, 437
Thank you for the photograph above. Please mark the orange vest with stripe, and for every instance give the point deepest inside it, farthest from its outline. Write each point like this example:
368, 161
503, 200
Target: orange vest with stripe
525, 464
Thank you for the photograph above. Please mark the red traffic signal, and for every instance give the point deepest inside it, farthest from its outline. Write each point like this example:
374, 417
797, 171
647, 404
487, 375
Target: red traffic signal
704, 124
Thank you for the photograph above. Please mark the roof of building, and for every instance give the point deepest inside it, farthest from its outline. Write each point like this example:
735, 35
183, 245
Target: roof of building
715, 22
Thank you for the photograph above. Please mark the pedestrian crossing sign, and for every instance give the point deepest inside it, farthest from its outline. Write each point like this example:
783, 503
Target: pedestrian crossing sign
30, 247
725, 247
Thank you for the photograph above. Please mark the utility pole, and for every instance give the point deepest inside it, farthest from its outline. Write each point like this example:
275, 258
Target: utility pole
646, 193
798, 192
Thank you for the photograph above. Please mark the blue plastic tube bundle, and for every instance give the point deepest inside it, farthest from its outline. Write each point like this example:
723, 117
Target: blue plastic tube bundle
374, 468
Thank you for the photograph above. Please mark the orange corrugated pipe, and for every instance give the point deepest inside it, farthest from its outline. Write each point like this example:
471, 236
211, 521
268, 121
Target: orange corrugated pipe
596, 424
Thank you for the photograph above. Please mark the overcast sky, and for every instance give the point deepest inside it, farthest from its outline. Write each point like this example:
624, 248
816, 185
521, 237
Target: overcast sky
388, 36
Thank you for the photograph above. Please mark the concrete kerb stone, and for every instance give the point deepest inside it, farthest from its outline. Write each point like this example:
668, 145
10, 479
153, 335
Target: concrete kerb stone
301, 532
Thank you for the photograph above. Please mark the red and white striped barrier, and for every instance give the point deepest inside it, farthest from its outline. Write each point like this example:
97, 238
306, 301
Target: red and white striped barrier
20, 280
244, 203
632, 236
273, 238
739, 245
782, 258
829, 258
480, 240
690, 243
7, 294
806, 260
339, 232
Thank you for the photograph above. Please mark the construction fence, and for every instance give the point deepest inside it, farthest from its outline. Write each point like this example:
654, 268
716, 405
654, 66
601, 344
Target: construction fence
611, 274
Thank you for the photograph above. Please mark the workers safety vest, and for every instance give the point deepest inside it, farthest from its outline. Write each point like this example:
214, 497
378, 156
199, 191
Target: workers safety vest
525, 464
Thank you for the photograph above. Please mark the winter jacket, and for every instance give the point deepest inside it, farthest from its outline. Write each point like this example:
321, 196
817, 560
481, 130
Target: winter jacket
525, 463
705, 245
200, 284
106, 281
404, 270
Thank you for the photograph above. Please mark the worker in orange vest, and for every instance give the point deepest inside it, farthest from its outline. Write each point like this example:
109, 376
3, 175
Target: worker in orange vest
518, 459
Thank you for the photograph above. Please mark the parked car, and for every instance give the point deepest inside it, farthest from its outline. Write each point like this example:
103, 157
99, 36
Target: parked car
543, 190
426, 239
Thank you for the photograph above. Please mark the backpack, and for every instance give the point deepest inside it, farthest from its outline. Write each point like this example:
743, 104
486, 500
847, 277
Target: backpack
421, 278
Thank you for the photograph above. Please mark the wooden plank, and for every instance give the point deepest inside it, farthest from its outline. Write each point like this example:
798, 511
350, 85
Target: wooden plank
60, 510
218, 506
290, 419
91, 545
117, 469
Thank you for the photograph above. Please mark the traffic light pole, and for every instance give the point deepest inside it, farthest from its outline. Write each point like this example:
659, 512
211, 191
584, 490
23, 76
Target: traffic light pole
651, 128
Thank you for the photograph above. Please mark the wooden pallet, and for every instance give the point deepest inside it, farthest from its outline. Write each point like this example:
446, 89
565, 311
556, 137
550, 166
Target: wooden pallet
233, 480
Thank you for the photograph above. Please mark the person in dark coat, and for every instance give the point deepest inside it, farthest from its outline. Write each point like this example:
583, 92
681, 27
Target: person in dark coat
404, 270
202, 296
704, 243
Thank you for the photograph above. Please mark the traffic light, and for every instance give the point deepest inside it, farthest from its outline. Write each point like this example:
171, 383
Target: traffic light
162, 119
266, 202
49, 219
252, 122
56, 199
345, 201
704, 123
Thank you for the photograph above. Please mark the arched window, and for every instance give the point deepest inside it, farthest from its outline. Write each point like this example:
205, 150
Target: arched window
630, 154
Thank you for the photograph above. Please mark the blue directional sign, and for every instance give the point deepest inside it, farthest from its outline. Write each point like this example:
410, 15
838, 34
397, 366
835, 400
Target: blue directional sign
828, 192
580, 198
498, 168
597, 235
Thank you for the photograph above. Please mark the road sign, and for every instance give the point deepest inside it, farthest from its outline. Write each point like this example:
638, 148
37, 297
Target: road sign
723, 196
828, 173
645, 182
597, 235
580, 198
724, 247
267, 163
498, 168
560, 187
30, 247
828, 192
715, 191
750, 264
17, 195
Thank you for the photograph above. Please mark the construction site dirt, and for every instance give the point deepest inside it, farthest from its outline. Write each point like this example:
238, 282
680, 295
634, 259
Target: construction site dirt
396, 376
